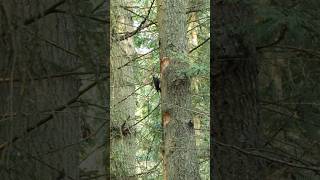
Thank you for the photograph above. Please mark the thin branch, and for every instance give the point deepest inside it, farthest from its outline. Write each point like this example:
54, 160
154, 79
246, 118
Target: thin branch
199, 45
85, 103
45, 120
59, 47
130, 95
141, 26
52, 43
148, 171
134, 59
144, 117
196, 8
191, 110
50, 10
6, 80
281, 37
127, 9
94, 150
310, 52
259, 155
28, 155
91, 136
157, 49
189, 10
84, 16
98, 6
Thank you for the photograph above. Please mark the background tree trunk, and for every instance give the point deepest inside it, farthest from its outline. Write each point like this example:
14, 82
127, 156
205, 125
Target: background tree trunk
123, 105
95, 129
34, 47
235, 115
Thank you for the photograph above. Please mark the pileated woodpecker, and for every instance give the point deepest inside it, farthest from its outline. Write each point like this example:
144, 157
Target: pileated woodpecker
156, 82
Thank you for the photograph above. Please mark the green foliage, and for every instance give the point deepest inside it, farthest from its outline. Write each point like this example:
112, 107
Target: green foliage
198, 70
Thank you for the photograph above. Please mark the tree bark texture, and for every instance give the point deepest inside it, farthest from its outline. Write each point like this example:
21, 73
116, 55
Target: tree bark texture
38, 117
179, 148
123, 104
95, 122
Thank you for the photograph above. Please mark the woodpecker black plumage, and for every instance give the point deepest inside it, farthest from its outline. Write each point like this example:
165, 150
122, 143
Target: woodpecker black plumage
156, 82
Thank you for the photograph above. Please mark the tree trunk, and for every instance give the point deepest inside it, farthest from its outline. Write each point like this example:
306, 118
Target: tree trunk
193, 42
95, 116
179, 148
123, 105
235, 106
39, 119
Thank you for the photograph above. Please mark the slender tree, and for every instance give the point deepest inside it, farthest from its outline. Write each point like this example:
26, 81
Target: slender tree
123, 104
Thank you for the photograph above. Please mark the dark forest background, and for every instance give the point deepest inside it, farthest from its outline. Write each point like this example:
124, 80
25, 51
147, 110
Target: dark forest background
58, 68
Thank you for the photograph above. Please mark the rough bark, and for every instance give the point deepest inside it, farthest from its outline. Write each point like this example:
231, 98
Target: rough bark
123, 105
35, 46
179, 148
235, 105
